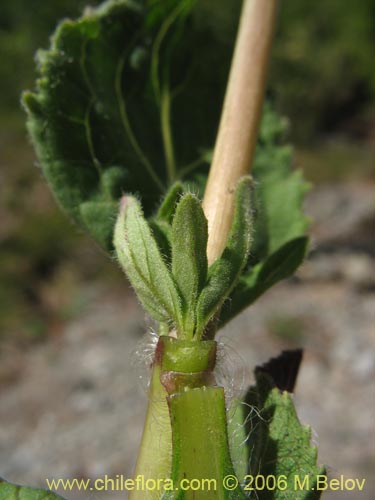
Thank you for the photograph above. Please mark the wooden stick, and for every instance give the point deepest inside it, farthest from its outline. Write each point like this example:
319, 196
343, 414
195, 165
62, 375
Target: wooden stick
238, 130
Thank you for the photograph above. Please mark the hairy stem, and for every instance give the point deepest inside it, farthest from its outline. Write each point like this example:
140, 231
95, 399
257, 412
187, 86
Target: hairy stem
232, 158
237, 135
177, 364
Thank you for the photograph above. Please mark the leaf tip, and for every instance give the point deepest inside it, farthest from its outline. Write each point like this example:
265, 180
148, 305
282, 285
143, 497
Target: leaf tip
124, 203
30, 103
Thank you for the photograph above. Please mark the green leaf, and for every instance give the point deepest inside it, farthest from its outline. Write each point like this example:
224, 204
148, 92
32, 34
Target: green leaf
224, 273
139, 256
128, 100
279, 242
282, 217
10, 491
189, 255
254, 282
161, 223
279, 190
168, 206
123, 104
98, 216
162, 232
278, 444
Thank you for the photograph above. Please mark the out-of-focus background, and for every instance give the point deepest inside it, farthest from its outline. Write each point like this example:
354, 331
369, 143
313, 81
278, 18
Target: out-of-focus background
71, 404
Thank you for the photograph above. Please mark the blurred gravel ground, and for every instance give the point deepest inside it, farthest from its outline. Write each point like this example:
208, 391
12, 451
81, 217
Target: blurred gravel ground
74, 407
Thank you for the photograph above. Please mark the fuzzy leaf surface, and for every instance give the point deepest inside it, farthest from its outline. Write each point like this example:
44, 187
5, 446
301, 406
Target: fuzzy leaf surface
113, 90
279, 190
258, 279
225, 271
279, 243
189, 255
161, 223
169, 203
10, 491
278, 444
140, 257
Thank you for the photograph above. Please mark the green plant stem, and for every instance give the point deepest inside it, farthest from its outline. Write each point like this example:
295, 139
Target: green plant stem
188, 357
237, 135
200, 446
233, 153
165, 112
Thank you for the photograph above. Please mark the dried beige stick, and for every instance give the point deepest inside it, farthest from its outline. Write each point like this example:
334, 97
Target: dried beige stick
238, 130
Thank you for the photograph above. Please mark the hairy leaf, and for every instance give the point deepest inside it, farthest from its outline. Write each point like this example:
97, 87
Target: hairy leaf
278, 444
162, 232
168, 206
127, 101
255, 281
224, 273
140, 258
279, 242
189, 255
279, 190
269, 439
124, 105
161, 223
10, 491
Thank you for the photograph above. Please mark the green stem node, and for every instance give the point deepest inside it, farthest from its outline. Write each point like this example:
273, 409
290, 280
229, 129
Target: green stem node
178, 364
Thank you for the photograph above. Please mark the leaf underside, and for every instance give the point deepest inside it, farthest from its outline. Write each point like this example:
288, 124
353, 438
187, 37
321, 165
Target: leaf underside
113, 92
128, 101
